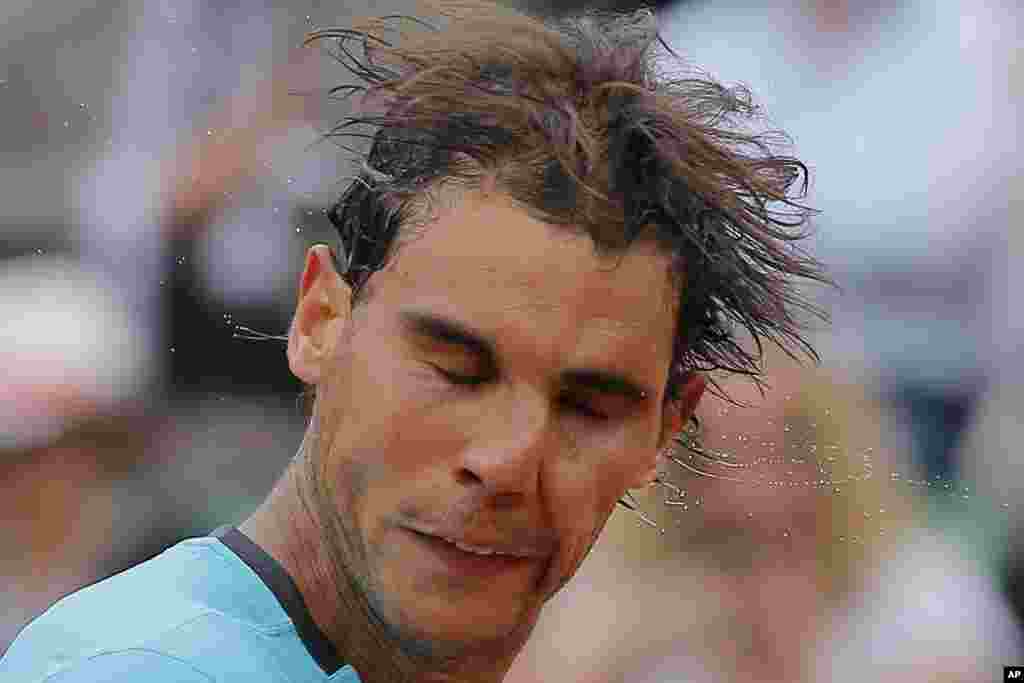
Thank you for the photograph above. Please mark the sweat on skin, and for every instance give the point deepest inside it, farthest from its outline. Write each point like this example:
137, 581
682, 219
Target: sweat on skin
529, 458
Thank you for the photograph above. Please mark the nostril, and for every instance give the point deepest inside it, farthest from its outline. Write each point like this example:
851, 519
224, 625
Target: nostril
467, 477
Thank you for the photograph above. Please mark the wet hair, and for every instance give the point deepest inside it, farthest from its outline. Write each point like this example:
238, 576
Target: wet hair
572, 119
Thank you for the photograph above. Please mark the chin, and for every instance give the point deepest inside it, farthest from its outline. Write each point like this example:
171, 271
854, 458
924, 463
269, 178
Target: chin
443, 626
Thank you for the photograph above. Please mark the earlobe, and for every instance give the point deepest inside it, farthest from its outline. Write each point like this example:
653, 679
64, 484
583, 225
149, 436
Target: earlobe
645, 478
681, 410
320, 313
690, 394
675, 417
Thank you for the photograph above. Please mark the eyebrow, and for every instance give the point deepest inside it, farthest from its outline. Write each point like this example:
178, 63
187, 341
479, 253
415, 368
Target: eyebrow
456, 333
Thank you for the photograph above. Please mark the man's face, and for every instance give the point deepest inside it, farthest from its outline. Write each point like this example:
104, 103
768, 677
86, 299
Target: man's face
525, 452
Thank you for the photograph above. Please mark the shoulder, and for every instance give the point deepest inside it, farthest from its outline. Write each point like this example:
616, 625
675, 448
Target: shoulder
129, 665
190, 614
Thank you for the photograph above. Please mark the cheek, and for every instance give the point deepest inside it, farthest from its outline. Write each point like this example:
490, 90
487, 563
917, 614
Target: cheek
585, 499
393, 441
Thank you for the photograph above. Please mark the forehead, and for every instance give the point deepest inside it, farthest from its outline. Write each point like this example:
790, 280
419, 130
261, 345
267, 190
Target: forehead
487, 260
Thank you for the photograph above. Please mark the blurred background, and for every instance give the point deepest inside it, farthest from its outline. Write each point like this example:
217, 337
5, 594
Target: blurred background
162, 173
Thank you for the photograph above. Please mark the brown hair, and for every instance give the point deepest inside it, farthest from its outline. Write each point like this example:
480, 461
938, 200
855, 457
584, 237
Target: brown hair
570, 118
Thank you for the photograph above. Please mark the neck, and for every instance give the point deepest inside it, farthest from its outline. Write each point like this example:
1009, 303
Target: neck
292, 532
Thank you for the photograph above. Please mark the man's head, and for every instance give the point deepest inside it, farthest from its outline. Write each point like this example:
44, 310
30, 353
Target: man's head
545, 250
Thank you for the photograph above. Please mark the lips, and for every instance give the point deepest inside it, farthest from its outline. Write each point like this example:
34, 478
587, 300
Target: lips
469, 561
480, 550
523, 546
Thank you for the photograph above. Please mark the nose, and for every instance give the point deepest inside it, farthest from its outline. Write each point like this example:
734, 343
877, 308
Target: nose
509, 450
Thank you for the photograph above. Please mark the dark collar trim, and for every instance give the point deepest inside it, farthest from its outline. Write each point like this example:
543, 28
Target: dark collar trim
287, 593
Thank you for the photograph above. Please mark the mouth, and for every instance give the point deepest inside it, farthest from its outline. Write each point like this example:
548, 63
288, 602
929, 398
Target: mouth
455, 556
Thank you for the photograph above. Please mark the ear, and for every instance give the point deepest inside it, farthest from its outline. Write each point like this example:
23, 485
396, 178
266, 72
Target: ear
677, 414
321, 314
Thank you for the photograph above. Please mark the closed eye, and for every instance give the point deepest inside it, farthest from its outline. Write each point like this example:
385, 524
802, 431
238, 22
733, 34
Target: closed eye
583, 409
457, 379
566, 400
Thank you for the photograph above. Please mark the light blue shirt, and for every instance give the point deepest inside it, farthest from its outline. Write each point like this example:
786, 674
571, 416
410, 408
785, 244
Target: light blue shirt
196, 613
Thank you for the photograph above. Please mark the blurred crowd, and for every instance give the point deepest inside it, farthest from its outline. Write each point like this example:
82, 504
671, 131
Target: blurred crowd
858, 521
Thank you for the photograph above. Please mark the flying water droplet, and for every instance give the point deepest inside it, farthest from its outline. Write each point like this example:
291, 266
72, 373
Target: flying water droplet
249, 334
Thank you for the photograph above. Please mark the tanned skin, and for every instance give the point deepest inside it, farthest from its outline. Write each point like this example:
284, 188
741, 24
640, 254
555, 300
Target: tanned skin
529, 454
